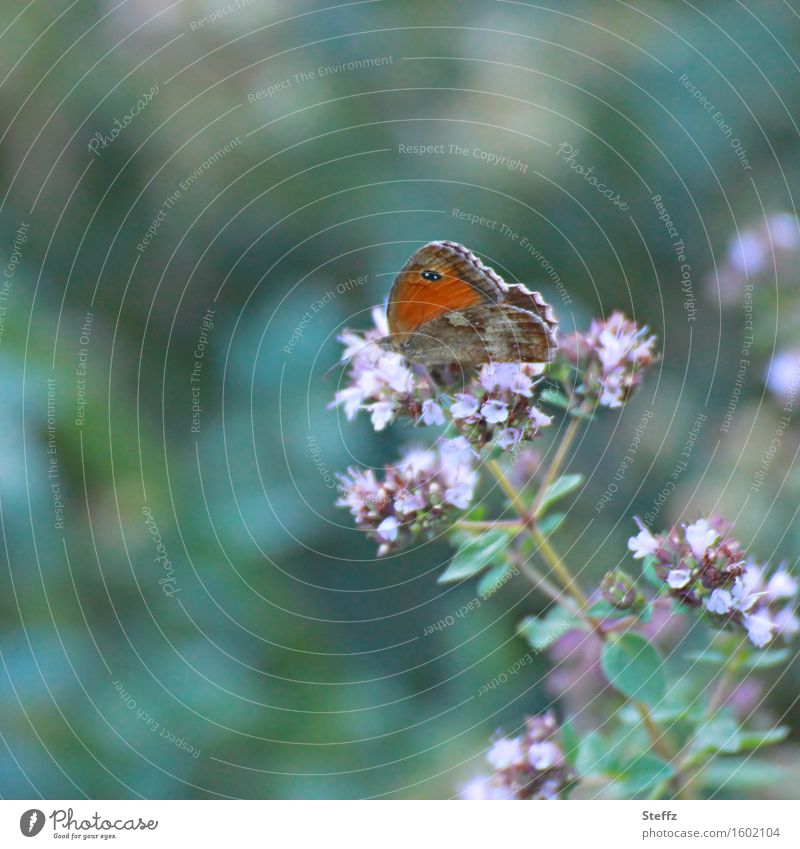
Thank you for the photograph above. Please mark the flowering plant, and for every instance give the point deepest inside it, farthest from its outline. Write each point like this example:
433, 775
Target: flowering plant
630, 724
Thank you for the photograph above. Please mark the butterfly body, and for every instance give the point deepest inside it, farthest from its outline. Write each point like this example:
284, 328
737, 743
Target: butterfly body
446, 306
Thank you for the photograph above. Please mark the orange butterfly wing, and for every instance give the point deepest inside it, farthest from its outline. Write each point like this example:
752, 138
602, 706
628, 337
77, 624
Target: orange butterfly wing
463, 282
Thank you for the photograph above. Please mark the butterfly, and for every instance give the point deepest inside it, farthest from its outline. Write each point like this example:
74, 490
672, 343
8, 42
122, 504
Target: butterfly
446, 306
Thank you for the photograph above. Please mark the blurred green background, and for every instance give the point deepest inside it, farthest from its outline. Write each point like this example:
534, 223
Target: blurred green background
272, 162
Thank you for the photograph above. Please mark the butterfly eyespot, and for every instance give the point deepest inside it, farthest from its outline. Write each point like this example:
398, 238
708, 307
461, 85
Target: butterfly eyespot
431, 276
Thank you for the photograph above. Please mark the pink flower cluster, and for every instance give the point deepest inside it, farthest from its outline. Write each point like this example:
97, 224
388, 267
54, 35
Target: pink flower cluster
704, 567
769, 249
496, 406
610, 359
531, 766
381, 382
414, 495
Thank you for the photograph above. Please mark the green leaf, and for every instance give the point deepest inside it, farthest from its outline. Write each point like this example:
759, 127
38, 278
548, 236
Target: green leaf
633, 666
595, 756
603, 609
474, 556
643, 773
749, 740
570, 742
649, 572
558, 489
542, 631
709, 656
549, 524
767, 659
738, 774
718, 734
555, 397
493, 579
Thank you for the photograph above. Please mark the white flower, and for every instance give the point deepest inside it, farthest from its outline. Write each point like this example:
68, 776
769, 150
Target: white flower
784, 230
409, 502
786, 622
747, 254
460, 494
783, 374
465, 407
494, 411
382, 413
509, 437
432, 413
380, 321
613, 347
499, 375
719, 601
418, 461
539, 418
782, 585
350, 397
544, 755
743, 598
505, 753
700, 536
759, 629
643, 544
387, 529
678, 578
457, 451
481, 790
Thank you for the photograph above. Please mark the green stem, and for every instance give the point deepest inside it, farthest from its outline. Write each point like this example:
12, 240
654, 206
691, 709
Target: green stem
547, 551
510, 491
557, 463
501, 524
558, 566
684, 760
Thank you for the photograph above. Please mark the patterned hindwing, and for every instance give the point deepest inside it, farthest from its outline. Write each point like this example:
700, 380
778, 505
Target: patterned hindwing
520, 296
481, 334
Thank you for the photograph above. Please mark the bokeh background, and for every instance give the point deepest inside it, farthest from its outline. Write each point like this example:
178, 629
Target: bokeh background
229, 185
